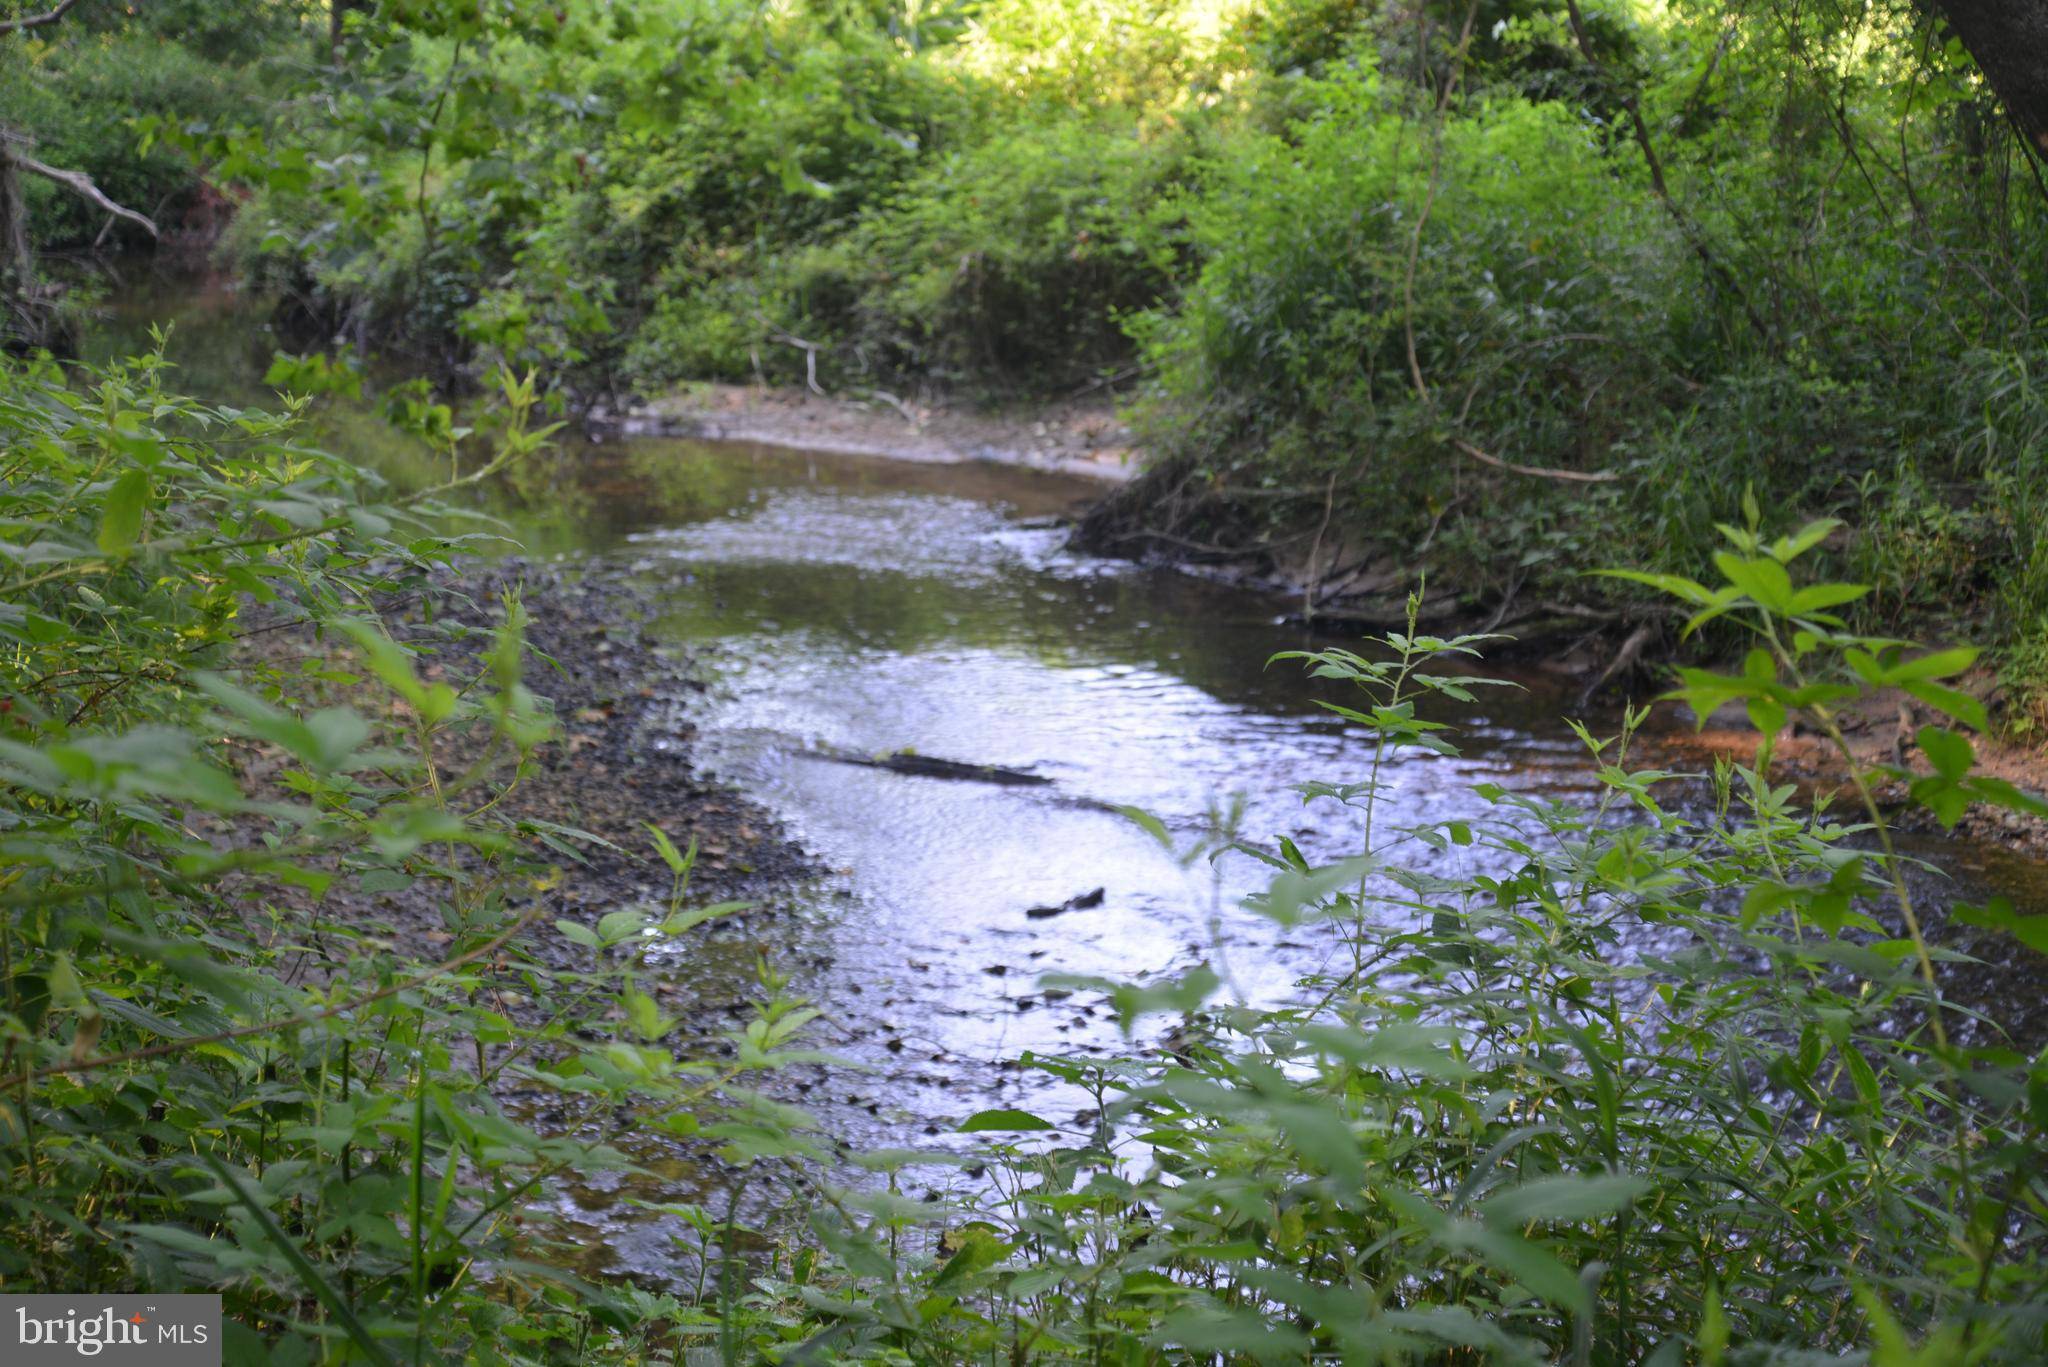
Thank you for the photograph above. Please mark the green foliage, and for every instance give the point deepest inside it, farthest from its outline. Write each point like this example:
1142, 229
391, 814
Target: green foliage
83, 89
1008, 264
1675, 1084
1611, 1084
1534, 296
1350, 246
1666, 1082
219, 1067
1817, 283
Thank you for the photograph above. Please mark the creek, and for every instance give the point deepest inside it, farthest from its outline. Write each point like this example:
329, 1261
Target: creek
834, 606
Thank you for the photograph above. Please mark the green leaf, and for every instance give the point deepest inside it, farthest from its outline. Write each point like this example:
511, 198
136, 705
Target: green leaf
977, 1250
645, 1016
336, 1303
62, 983
121, 519
1676, 585
1714, 1331
678, 863
1815, 597
1534, 1266
1149, 823
1789, 548
616, 927
1939, 665
1765, 581
1398, 1046
1173, 997
1291, 892
1565, 1197
982, 1122
1212, 1329
1953, 702
2000, 793
1707, 692
697, 916
1950, 753
1998, 914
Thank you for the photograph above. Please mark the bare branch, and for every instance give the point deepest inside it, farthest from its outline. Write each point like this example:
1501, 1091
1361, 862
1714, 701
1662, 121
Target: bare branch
79, 183
37, 20
1540, 471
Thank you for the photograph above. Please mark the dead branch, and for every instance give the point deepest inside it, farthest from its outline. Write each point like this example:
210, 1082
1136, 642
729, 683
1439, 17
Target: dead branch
79, 183
1507, 602
1555, 611
1624, 660
1539, 471
809, 349
1115, 377
1315, 551
1429, 537
29, 21
1203, 547
1903, 739
909, 415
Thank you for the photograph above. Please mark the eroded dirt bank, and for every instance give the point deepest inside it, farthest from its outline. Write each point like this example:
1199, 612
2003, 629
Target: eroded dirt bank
1076, 437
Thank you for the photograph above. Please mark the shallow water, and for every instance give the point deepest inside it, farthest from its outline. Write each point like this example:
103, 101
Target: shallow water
858, 606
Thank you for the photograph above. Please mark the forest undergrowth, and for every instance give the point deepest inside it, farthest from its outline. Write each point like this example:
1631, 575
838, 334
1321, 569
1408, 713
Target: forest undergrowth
1658, 1087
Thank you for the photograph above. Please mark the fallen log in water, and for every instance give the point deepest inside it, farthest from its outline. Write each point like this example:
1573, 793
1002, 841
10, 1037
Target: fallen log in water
1085, 902
929, 766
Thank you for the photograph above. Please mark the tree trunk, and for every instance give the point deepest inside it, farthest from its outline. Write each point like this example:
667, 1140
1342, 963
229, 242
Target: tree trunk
19, 322
2009, 40
337, 24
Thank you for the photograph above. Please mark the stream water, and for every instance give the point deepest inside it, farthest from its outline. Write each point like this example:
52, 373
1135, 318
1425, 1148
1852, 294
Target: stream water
861, 606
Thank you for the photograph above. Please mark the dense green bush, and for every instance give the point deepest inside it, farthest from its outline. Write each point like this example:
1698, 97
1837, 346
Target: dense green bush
220, 1067
83, 90
686, 191
1017, 259
1537, 287
1007, 265
80, 111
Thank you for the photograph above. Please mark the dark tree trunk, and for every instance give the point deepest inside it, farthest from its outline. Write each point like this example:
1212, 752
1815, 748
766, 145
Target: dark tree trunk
337, 23
2009, 40
20, 324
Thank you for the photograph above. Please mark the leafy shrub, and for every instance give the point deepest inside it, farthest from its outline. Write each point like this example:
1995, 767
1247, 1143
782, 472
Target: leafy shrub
1008, 265
82, 103
209, 1075
1063, 55
1533, 290
1014, 261
1650, 1082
